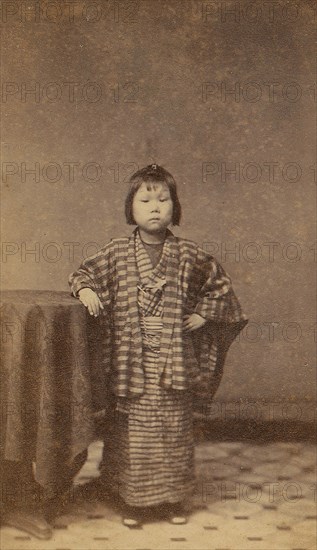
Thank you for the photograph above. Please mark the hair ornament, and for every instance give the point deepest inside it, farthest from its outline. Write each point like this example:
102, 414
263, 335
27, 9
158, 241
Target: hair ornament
154, 166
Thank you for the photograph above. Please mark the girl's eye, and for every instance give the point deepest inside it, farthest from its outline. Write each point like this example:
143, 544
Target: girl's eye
144, 200
163, 200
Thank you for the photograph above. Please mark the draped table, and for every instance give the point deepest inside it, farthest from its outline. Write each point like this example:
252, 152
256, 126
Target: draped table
53, 387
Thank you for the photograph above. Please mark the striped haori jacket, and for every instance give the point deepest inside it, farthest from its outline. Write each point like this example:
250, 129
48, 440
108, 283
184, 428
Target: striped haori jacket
194, 282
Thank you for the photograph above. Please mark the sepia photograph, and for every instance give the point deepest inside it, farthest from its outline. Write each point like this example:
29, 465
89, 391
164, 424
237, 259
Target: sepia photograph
158, 275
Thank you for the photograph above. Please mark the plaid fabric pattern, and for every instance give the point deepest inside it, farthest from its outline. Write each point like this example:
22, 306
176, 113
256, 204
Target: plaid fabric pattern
148, 456
195, 282
152, 281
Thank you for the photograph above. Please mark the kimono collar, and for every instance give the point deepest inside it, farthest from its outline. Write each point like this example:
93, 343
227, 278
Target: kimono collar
150, 276
172, 314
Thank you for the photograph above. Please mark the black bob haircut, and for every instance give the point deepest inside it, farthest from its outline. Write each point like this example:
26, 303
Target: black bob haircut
151, 175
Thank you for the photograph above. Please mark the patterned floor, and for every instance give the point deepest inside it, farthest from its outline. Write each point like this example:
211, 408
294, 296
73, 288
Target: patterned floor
248, 496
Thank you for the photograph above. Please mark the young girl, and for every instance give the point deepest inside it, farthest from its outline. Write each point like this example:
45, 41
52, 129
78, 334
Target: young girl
172, 316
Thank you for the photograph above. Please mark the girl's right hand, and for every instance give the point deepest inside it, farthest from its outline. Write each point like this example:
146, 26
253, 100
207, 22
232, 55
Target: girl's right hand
91, 301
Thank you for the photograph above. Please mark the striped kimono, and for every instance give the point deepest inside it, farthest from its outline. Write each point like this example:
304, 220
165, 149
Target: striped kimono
155, 370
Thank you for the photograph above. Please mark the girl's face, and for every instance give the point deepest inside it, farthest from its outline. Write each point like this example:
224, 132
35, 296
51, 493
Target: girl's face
152, 207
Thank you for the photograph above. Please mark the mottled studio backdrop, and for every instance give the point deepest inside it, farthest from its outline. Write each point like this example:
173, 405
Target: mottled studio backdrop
222, 94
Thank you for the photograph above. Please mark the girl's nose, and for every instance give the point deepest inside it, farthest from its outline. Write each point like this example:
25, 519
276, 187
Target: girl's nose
156, 207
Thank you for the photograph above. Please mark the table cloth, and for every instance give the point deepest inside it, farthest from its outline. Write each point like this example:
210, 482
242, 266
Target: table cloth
53, 387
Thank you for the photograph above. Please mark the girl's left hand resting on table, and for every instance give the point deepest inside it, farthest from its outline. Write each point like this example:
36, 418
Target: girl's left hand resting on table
193, 322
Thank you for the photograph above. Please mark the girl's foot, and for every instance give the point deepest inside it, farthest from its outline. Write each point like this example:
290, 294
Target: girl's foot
177, 514
131, 517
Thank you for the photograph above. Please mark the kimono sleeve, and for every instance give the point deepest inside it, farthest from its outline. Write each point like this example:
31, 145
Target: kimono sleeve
216, 300
96, 273
218, 304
